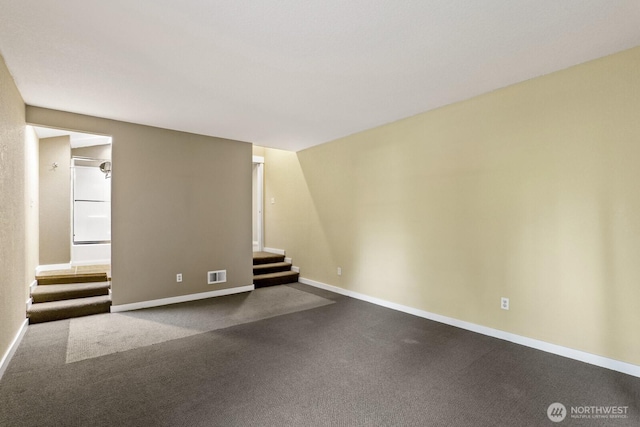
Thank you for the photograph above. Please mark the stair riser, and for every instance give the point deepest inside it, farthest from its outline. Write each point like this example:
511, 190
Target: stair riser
264, 270
261, 283
69, 295
52, 315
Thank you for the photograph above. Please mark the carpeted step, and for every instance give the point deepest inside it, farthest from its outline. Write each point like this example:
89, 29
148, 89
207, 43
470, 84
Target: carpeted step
271, 279
271, 268
59, 279
266, 258
50, 293
58, 310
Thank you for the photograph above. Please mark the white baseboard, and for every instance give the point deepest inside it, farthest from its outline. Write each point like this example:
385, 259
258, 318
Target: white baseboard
52, 267
4, 362
32, 286
29, 303
582, 356
274, 251
289, 260
295, 268
181, 298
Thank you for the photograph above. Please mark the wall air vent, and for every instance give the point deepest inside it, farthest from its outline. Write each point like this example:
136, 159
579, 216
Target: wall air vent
219, 276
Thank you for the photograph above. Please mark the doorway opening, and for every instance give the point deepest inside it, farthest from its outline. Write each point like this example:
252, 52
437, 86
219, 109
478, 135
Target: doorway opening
258, 203
76, 172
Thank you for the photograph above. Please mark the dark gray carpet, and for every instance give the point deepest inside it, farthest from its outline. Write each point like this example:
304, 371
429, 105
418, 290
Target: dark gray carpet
345, 364
100, 335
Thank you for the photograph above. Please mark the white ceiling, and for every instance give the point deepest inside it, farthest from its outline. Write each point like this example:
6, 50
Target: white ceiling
289, 73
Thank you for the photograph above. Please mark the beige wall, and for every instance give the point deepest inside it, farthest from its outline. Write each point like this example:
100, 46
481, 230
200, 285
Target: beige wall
529, 192
13, 226
181, 203
55, 200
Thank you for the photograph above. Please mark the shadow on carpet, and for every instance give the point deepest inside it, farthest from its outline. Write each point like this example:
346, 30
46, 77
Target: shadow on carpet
104, 334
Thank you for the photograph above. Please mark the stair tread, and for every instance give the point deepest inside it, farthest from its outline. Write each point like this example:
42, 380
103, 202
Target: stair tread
271, 265
69, 287
68, 304
49, 293
276, 274
260, 258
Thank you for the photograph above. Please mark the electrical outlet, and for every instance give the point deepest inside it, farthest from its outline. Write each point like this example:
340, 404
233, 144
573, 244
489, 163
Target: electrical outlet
339, 271
179, 277
504, 303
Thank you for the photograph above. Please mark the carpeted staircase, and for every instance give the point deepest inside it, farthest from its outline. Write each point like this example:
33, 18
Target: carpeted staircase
63, 296
271, 269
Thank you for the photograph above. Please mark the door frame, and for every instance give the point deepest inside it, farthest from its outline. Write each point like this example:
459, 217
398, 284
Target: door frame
259, 162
